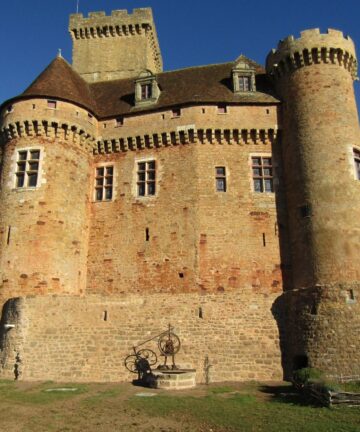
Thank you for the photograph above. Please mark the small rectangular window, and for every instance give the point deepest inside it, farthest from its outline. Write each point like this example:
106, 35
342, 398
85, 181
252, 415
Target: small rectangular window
357, 163
146, 178
244, 83
176, 112
27, 170
222, 109
220, 179
104, 183
51, 104
146, 91
119, 121
262, 173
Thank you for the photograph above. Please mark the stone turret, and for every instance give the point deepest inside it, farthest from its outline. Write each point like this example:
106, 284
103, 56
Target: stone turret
114, 47
314, 77
47, 144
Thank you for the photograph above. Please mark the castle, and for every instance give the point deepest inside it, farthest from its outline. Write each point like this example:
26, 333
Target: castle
224, 199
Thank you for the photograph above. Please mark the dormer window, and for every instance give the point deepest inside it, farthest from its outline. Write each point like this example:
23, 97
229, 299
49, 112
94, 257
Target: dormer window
146, 89
243, 76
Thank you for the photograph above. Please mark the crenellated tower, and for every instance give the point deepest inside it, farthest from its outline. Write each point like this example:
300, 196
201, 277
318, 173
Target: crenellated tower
314, 77
113, 47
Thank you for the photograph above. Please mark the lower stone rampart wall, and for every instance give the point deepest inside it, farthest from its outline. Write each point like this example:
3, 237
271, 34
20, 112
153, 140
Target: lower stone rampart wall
320, 327
67, 338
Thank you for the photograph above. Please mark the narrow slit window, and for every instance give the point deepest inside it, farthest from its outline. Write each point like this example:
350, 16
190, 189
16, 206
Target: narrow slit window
147, 234
220, 179
104, 179
146, 178
357, 163
8, 235
27, 169
262, 173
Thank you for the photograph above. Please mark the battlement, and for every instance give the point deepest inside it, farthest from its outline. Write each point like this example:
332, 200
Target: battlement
115, 46
120, 22
312, 47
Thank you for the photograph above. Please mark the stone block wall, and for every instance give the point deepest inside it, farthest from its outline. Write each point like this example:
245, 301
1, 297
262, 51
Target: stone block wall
67, 338
199, 239
319, 327
44, 229
114, 47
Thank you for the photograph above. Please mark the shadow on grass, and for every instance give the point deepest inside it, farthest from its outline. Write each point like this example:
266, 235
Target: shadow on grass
288, 394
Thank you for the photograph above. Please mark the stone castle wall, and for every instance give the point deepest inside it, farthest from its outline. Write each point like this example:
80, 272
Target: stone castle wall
236, 331
320, 326
114, 47
189, 224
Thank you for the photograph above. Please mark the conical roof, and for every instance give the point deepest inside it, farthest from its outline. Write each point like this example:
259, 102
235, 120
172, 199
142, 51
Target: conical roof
60, 81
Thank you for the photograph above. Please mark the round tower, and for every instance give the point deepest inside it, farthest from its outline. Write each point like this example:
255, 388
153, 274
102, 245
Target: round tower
46, 143
314, 76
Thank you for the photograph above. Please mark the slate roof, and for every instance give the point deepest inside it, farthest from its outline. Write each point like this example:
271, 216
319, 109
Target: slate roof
195, 85
60, 81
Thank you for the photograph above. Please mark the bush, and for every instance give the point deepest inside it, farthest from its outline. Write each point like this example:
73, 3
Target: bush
302, 377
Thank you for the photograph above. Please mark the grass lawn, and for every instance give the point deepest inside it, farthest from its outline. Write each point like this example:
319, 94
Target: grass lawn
269, 407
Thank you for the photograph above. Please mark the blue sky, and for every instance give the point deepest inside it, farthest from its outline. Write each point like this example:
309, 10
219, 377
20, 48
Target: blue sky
191, 32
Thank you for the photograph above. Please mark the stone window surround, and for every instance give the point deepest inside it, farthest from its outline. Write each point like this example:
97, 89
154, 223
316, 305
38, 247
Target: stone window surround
221, 174
176, 113
355, 162
261, 155
222, 109
13, 178
114, 185
53, 102
135, 193
146, 78
243, 70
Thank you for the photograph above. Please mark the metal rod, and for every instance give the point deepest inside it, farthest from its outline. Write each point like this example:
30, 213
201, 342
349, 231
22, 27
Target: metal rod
157, 336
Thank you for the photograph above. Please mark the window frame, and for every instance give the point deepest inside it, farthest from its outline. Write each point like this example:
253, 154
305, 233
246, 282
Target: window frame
146, 91
356, 162
176, 113
52, 102
146, 178
242, 78
27, 172
222, 109
220, 177
104, 186
261, 176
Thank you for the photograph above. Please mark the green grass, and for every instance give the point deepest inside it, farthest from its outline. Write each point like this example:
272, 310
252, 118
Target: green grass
221, 389
37, 394
352, 387
102, 396
246, 412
